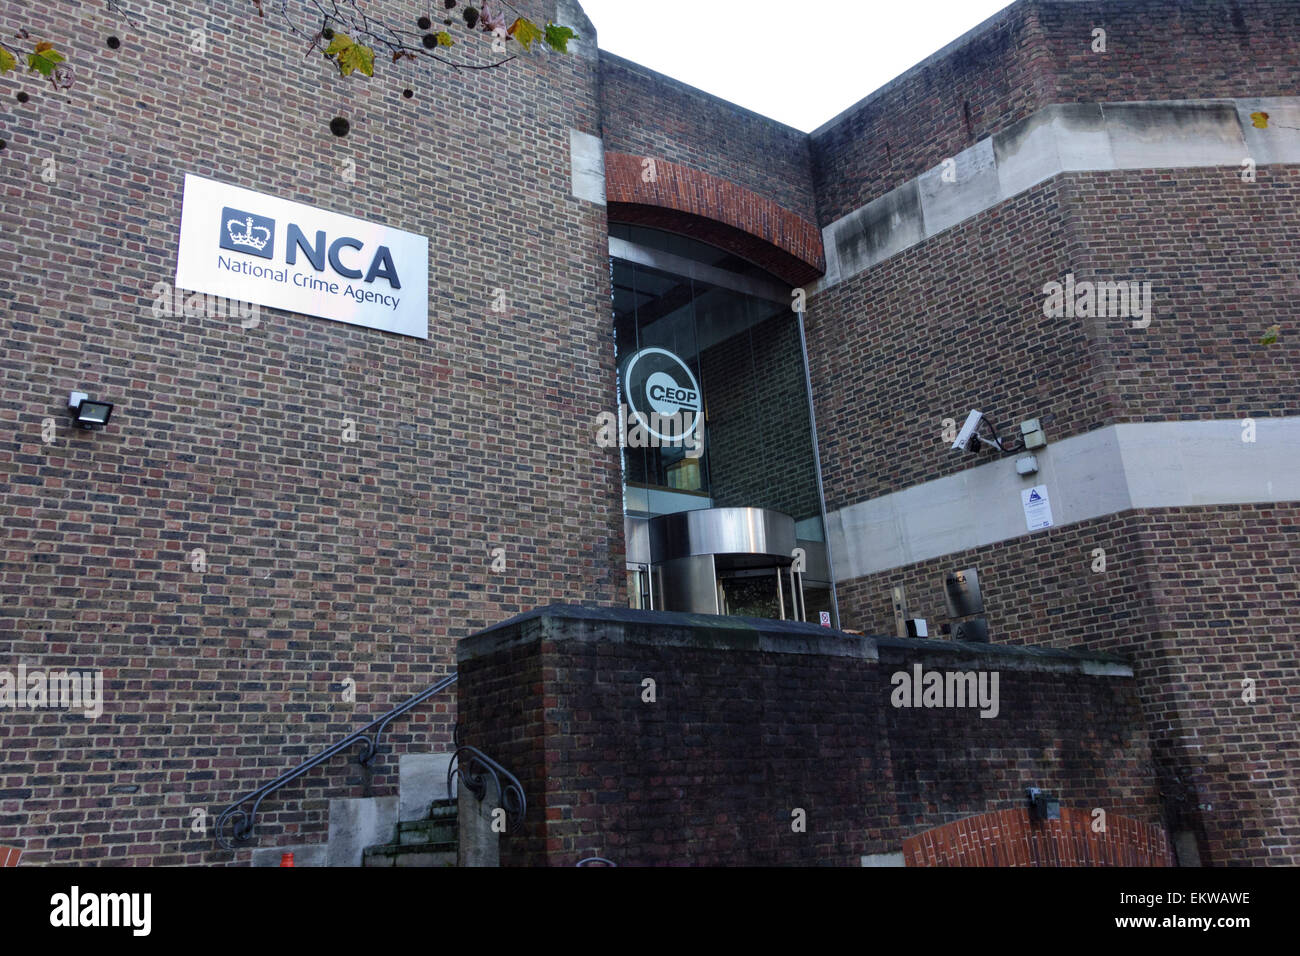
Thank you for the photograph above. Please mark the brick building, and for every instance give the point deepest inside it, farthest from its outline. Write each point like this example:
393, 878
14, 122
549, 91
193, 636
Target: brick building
291, 520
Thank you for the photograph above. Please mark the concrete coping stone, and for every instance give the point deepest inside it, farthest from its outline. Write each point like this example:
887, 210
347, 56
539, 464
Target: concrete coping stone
615, 625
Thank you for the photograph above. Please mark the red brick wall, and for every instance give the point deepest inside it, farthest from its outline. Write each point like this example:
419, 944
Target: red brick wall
952, 324
713, 210
1039, 53
1223, 270
644, 113
326, 560
739, 737
915, 122
957, 322
1014, 838
1199, 599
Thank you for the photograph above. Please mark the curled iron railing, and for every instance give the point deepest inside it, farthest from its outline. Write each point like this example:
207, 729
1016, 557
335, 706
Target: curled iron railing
474, 767
236, 824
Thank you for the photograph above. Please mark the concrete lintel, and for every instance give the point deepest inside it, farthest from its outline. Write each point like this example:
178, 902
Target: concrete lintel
587, 162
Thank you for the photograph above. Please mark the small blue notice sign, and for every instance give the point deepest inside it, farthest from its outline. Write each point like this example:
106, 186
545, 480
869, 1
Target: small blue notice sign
1038, 508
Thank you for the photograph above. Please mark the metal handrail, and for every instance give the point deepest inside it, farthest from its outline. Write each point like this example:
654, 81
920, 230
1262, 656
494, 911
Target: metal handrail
473, 767
242, 822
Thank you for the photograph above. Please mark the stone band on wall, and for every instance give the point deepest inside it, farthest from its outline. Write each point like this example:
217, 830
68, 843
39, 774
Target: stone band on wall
1072, 137
1102, 472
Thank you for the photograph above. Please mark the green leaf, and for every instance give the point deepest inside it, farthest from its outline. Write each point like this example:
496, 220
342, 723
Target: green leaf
351, 56
1271, 335
44, 60
7, 61
339, 43
557, 37
525, 31
444, 38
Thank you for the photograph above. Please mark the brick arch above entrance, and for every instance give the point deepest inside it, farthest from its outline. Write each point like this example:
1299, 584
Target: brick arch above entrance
706, 207
1012, 838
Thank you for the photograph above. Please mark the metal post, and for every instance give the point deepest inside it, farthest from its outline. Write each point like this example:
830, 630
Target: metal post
817, 461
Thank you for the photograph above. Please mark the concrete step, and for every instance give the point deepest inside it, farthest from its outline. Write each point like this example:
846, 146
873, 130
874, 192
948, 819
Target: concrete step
444, 810
426, 831
410, 855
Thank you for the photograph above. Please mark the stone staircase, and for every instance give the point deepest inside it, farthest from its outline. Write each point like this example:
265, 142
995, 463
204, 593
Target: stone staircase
421, 823
432, 841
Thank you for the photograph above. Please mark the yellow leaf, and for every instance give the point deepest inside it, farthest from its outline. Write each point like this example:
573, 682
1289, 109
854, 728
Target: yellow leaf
525, 31
1260, 120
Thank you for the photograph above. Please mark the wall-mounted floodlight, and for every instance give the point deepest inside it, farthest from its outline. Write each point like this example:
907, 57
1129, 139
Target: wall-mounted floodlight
89, 413
1043, 806
971, 432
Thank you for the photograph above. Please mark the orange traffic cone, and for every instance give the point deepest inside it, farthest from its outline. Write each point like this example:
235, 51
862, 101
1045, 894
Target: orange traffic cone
286, 859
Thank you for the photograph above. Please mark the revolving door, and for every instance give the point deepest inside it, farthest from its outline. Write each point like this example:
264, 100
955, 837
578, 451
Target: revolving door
727, 561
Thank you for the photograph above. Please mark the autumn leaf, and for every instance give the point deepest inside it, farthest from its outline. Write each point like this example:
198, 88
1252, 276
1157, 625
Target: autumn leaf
44, 59
1260, 120
525, 31
7, 61
558, 37
351, 56
1270, 335
444, 39
490, 19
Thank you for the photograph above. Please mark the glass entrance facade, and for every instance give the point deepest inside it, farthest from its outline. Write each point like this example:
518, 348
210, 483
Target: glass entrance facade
714, 398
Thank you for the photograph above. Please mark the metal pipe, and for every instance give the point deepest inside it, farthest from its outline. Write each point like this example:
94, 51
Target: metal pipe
817, 461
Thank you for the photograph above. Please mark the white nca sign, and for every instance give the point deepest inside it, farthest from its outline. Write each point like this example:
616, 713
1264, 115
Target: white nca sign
249, 247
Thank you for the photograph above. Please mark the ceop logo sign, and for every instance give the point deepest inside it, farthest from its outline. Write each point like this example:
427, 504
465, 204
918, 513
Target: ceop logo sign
658, 382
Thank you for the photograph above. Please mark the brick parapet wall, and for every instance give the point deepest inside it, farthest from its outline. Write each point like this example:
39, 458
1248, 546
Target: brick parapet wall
1198, 599
647, 114
754, 720
957, 322
1039, 52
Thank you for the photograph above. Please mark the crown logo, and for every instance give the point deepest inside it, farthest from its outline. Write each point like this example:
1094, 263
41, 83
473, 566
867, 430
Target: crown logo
247, 232
249, 235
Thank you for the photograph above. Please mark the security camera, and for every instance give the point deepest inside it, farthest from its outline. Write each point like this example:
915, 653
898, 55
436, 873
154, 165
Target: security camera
968, 431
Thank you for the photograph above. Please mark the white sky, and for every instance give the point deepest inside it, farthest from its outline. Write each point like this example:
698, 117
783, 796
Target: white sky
798, 62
